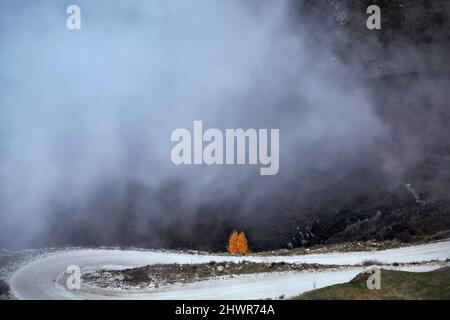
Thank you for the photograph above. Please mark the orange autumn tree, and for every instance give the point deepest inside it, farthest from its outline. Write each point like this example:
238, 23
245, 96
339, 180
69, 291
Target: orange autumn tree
232, 242
237, 243
242, 244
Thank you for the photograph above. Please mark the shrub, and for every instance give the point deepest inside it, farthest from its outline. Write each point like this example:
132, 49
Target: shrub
237, 243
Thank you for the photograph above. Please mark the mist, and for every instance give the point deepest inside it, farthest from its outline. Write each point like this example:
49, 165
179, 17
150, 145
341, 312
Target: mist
86, 118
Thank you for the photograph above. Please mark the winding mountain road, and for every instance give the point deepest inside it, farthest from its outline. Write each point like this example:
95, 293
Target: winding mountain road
41, 278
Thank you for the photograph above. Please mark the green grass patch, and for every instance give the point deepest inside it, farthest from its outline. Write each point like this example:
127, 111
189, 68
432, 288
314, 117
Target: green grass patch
395, 285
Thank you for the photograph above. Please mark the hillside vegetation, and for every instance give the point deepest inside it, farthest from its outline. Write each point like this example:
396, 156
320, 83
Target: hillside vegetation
395, 285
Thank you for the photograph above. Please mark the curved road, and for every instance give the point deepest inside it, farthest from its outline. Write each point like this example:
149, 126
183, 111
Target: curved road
39, 278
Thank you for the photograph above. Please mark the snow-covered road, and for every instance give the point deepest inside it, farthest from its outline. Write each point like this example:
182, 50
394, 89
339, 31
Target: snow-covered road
38, 279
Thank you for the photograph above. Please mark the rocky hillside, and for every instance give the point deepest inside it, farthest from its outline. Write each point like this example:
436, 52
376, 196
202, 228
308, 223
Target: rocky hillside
406, 63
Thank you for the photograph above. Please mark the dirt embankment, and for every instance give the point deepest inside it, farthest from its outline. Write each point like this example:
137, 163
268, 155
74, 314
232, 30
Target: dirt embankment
165, 274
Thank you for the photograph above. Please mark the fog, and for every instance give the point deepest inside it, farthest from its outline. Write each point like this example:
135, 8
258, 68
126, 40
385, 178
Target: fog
86, 118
